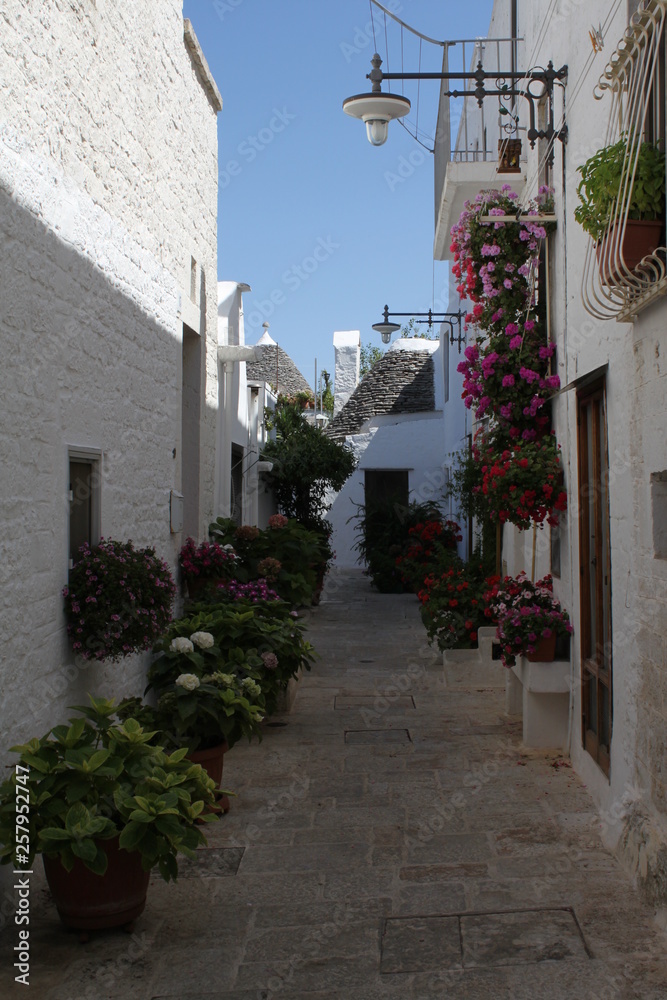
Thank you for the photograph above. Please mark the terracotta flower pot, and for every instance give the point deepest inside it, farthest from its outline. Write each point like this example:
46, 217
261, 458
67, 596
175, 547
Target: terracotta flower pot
86, 901
212, 760
545, 650
641, 237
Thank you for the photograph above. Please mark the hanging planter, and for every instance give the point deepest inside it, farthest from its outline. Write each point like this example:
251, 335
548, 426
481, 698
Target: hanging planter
616, 255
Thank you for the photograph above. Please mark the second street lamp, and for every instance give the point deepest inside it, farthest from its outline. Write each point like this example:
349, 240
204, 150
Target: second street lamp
385, 328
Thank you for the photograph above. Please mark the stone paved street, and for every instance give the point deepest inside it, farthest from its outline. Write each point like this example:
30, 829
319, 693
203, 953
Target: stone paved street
390, 839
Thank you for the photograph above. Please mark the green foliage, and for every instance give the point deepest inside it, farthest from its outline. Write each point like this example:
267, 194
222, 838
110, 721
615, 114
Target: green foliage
95, 779
369, 356
383, 529
604, 175
327, 394
306, 464
264, 641
303, 554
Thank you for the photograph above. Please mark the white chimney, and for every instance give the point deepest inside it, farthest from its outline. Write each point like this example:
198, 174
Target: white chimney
347, 351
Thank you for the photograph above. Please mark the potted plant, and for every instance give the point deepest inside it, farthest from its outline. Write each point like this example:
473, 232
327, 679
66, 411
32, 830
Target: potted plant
603, 180
106, 806
530, 619
205, 565
118, 600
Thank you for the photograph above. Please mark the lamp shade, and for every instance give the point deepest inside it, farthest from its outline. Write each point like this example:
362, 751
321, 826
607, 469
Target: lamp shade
376, 110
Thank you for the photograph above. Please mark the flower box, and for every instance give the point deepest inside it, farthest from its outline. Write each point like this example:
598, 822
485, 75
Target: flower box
540, 693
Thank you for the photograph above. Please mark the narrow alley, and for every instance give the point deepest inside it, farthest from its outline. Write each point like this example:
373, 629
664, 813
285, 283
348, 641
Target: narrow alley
389, 838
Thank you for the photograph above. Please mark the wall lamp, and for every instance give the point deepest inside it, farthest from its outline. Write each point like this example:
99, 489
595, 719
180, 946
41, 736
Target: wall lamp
385, 328
377, 109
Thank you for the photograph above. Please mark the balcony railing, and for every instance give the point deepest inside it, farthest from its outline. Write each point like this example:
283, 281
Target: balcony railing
616, 284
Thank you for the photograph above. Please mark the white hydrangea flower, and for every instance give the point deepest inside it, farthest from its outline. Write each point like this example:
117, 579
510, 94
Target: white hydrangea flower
188, 681
202, 639
181, 645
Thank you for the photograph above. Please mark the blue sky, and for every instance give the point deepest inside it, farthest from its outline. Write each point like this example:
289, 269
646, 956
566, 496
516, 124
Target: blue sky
324, 227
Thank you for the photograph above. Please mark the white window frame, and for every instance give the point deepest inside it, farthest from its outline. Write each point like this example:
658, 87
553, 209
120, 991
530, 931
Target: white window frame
92, 457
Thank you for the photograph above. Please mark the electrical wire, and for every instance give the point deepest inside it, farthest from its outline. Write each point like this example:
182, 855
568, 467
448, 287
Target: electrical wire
375, 44
414, 31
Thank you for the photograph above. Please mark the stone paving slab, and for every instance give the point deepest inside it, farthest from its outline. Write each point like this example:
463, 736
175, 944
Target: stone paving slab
330, 842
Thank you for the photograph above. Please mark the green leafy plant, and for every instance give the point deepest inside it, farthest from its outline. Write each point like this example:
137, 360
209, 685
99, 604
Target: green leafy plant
604, 175
118, 600
382, 532
302, 554
96, 779
306, 466
263, 640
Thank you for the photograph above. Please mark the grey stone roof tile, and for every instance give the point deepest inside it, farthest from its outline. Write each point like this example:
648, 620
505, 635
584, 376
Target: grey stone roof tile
401, 382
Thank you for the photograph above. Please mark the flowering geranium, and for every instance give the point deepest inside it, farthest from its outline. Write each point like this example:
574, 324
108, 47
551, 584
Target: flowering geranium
453, 605
527, 612
521, 484
118, 600
431, 545
209, 559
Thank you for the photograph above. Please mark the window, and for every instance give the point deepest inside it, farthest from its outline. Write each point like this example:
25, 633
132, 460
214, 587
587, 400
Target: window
84, 500
595, 575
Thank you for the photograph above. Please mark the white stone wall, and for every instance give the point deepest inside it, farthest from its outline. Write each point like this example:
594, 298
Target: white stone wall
347, 348
108, 188
413, 441
633, 800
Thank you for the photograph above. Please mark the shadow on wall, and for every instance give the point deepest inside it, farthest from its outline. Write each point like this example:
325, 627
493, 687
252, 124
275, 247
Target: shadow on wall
83, 365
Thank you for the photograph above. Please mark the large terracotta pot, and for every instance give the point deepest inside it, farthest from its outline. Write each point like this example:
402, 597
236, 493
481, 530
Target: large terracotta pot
212, 760
641, 237
545, 650
86, 901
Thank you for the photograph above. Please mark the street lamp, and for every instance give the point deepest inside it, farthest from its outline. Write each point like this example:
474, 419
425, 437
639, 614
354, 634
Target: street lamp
377, 109
385, 328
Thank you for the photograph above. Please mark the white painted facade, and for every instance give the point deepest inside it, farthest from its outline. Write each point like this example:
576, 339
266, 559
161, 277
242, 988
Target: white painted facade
241, 417
632, 798
108, 216
417, 442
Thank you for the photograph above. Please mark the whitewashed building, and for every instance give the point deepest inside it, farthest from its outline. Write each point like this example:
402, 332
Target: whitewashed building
246, 395
108, 325
393, 420
609, 558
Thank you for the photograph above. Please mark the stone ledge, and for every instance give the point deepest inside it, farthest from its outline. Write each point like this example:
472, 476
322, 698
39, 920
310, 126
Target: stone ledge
203, 71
